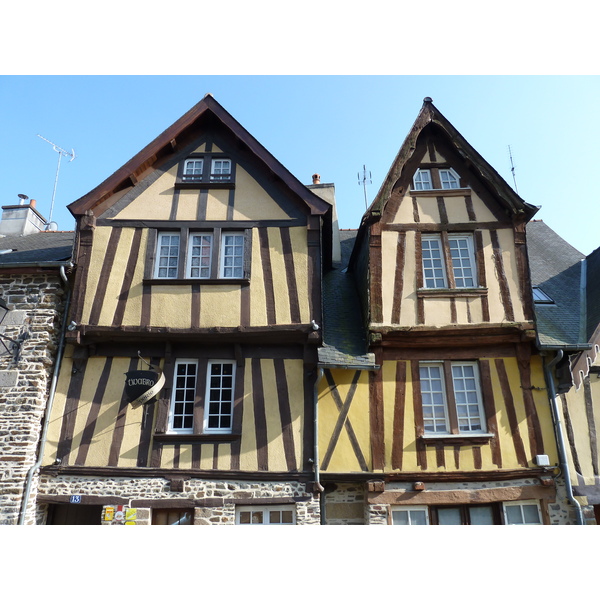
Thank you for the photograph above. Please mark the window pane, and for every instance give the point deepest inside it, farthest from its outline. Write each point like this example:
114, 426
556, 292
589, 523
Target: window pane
167, 256
183, 397
433, 264
220, 394
449, 516
462, 261
513, 515
467, 398
200, 252
531, 514
232, 256
434, 401
481, 515
400, 517
418, 517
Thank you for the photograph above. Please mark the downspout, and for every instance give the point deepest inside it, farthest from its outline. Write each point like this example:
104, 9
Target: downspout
560, 440
317, 485
42, 442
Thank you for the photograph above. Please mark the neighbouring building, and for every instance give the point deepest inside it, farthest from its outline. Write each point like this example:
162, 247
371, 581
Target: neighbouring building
34, 265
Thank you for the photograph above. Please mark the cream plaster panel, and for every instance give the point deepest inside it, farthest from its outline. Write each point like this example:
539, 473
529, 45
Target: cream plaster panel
428, 210
462, 310
248, 457
187, 206
298, 236
200, 148
456, 209
216, 205
133, 308
258, 299
58, 407
171, 306
206, 456
494, 297
131, 439
99, 247
408, 309
216, 148
117, 274
389, 246
507, 245
437, 311
280, 285
251, 200
482, 212
294, 370
105, 423
540, 398
276, 453
405, 211
154, 202
476, 309
220, 305
409, 451
388, 371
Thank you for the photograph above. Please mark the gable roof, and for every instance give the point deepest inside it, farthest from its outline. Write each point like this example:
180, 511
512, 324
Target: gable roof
39, 249
430, 116
207, 112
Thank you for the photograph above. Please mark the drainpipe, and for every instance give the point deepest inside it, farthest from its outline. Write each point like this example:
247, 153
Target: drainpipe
42, 442
560, 440
317, 485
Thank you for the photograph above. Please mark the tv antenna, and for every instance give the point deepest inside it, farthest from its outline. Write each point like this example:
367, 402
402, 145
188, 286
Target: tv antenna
512, 169
365, 182
61, 153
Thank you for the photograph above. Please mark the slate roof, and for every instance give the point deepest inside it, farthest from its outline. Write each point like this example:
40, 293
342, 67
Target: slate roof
556, 268
43, 247
593, 292
344, 339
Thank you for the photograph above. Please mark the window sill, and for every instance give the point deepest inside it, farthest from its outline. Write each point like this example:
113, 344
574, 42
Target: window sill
192, 281
476, 439
451, 292
441, 192
198, 438
204, 185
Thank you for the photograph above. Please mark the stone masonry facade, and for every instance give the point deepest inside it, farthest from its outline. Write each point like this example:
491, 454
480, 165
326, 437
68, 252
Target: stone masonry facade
26, 368
213, 502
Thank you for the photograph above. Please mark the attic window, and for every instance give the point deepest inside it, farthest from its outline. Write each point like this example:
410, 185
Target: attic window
449, 179
422, 180
539, 297
192, 169
206, 170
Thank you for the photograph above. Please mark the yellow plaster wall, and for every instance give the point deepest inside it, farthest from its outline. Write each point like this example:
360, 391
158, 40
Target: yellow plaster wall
187, 207
298, 236
219, 305
251, 200
216, 205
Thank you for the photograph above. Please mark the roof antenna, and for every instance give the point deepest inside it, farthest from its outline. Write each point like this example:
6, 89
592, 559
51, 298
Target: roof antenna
512, 170
365, 181
61, 153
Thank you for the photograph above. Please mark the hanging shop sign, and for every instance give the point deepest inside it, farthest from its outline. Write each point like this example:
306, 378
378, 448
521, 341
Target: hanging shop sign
143, 386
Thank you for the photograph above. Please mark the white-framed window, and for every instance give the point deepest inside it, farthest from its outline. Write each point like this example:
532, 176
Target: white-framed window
232, 255
167, 255
218, 396
220, 169
284, 514
199, 255
410, 515
192, 169
218, 408
540, 297
183, 396
523, 512
463, 416
462, 257
449, 179
422, 180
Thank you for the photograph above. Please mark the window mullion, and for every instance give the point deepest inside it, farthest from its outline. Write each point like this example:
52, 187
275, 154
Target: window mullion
451, 402
200, 398
448, 260
183, 252
435, 179
216, 254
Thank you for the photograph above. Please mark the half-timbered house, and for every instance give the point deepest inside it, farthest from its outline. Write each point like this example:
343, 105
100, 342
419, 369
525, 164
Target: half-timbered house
198, 262
442, 415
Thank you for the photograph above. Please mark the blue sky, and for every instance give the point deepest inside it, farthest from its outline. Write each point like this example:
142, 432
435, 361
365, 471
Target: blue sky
332, 125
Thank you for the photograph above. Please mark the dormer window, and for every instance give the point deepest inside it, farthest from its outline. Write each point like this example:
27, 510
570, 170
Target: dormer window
539, 297
449, 179
204, 170
192, 169
220, 169
422, 180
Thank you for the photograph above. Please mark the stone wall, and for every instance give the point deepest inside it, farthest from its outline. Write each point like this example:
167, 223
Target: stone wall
36, 303
213, 502
345, 504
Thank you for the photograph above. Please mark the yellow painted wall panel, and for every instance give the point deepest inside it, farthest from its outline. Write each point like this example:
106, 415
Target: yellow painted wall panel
437, 311
258, 299
187, 206
280, 284
155, 202
276, 454
99, 247
294, 370
428, 209
482, 212
456, 209
298, 236
493, 286
220, 305
216, 205
207, 456
507, 244
248, 456
251, 200
389, 250
133, 309
405, 211
171, 306
408, 312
